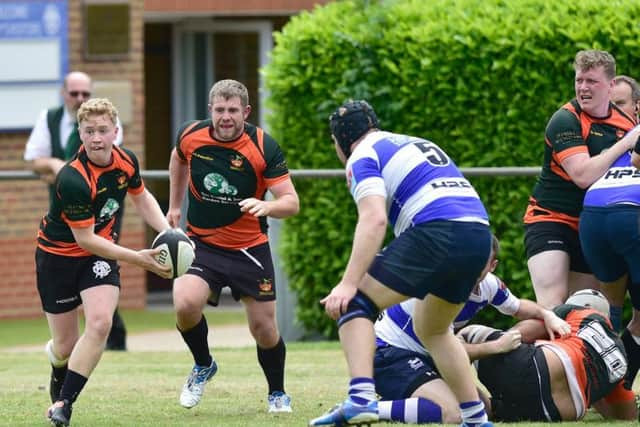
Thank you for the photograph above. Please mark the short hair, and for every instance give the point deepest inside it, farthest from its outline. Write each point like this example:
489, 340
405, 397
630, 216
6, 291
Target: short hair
495, 245
588, 59
228, 89
97, 107
633, 84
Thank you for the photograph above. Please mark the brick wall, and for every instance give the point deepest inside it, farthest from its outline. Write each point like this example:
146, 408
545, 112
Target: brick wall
22, 203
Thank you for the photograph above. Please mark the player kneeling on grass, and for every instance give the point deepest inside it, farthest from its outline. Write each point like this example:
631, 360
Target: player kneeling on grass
76, 257
558, 380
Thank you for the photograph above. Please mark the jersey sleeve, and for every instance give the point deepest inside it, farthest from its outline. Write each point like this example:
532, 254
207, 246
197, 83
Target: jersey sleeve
136, 184
364, 176
181, 133
501, 297
564, 133
75, 197
274, 158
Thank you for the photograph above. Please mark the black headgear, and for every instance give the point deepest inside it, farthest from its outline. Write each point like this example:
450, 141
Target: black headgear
350, 121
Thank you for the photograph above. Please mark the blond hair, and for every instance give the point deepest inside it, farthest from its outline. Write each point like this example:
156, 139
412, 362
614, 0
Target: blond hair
588, 59
97, 107
228, 89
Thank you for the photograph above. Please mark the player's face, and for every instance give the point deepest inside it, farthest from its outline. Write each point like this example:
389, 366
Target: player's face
98, 133
593, 90
228, 116
621, 96
77, 90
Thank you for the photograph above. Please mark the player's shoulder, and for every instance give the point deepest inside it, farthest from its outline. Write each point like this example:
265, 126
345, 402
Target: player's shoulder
192, 126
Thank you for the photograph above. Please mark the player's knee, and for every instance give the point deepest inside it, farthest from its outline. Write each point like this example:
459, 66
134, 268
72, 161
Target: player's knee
451, 414
359, 306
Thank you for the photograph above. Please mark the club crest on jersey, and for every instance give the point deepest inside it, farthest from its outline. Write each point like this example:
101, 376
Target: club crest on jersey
122, 181
101, 269
236, 162
266, 286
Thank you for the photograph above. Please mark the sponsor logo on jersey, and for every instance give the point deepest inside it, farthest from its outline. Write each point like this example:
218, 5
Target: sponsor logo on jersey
218, 185
110, 207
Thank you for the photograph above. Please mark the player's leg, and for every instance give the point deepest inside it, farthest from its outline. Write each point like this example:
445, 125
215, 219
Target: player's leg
411, 389
357, 337
548, 260
64, 328
270, 349
98, 304
432, 323
190, 294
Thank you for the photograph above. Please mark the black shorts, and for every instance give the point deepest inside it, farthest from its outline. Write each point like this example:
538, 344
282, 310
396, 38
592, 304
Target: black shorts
548, 236
519, 385
398, 372
247, 272
60, 278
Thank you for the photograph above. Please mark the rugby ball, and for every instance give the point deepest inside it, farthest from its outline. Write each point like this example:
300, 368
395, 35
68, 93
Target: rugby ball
176, 250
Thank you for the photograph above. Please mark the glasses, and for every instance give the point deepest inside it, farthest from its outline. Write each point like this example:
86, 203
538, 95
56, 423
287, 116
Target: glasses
75, 93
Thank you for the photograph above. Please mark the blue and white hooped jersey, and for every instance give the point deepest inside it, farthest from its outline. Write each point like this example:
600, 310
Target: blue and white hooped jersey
619, 185
418, 180
395, 326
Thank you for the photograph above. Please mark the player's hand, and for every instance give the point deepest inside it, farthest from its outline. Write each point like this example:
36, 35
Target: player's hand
255, 207
335, 304
148, 261
508, 341
556, 327
173, 216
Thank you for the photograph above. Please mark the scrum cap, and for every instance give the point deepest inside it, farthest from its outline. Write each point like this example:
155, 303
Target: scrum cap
590, 298
350, 121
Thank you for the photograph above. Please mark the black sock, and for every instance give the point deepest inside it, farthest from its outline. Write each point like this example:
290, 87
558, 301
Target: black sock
197, 341
73, 385
272, 363
60, 373
633, 358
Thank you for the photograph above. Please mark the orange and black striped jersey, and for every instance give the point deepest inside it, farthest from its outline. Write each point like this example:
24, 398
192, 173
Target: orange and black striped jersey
221, 174
87, 195
571, 131
593, 356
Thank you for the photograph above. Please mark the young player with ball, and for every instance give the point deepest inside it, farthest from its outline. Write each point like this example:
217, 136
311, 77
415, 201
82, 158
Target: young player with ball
76, 257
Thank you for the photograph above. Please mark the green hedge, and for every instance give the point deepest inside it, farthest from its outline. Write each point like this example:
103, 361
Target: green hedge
480, 79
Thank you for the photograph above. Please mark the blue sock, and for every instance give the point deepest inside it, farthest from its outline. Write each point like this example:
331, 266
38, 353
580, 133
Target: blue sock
473, 413
362, 390
415, 410
615, 315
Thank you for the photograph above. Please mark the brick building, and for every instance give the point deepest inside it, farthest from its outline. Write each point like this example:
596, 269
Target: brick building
176, 50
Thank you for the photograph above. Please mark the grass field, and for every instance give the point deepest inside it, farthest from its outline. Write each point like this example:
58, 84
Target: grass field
141, 389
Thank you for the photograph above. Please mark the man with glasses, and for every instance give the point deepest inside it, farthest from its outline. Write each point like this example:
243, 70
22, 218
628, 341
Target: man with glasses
54, 140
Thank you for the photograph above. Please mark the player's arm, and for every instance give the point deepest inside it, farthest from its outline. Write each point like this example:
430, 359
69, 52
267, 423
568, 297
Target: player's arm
149, 209
284, 204
481, 341
97, 245
178, 179
585, 170
367, 241
552, 323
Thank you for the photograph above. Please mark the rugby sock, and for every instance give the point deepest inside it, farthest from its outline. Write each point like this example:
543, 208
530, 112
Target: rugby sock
473, 413
73, 385
615, 315
197, 341
415, 410
59, 366
272, 363
362, 390
632, 348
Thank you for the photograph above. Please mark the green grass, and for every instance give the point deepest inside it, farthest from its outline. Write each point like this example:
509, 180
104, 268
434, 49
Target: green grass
35, 331
141, 389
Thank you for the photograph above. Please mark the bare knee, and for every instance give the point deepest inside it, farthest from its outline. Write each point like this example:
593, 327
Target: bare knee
99, 325
265, 333
451, 414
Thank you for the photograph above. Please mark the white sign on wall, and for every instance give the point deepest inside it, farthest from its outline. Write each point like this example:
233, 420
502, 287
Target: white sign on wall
33, 40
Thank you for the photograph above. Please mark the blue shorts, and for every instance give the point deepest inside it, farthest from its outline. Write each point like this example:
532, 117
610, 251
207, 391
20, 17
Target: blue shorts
610, 238
443, 258
399, 372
